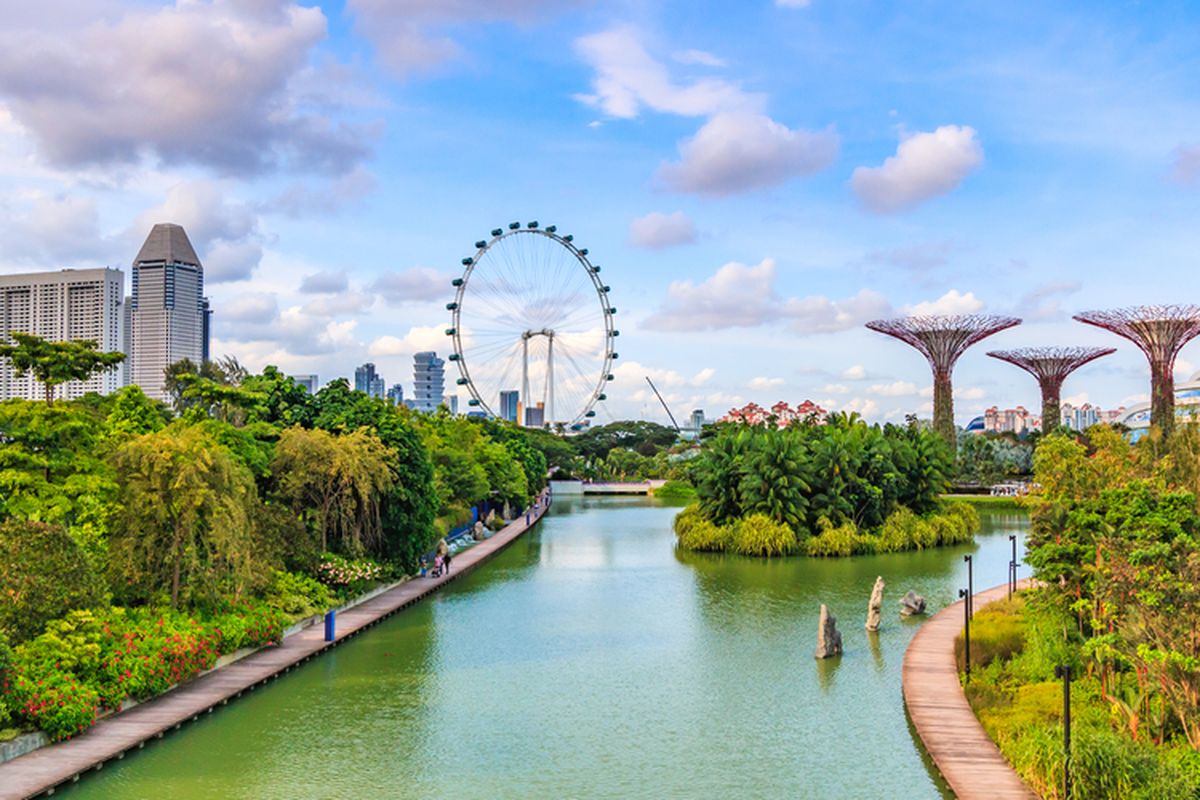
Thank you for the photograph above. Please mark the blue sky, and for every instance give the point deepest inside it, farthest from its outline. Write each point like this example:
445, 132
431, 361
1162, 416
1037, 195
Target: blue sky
757, 179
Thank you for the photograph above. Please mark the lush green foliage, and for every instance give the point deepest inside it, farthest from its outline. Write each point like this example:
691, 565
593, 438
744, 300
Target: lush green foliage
42, 574
842, 487
841, 471
220, 514
676, 490
992, 458
1115, 541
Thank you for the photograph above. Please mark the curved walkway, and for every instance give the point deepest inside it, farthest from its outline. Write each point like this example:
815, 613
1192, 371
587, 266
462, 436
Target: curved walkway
964, 754
44, 769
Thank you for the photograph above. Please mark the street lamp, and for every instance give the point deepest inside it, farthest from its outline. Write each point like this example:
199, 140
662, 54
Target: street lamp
1064, 671
1012, 567
966, 629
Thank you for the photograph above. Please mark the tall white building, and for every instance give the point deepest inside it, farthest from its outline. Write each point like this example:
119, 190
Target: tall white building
168, 312
67, 305
429, 382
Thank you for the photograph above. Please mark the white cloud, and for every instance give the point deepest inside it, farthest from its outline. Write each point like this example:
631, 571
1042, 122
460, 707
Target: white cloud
952, 302
894, 389
324, 282
336, 305
225, 234
854, 373
255, 308
657, 230
51, 228
633, 373
408, 34
762, 383
413, 285
819, 314
861, 405
628, 79
418, 338
740, 296
835, 388
737, 152
204, 82
926, 165
700, 57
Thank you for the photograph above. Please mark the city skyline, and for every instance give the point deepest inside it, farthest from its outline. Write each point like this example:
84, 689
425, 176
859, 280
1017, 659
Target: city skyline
993, 174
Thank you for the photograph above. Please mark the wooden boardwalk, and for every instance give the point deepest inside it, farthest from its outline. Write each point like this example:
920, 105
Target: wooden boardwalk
964, 754
43, 770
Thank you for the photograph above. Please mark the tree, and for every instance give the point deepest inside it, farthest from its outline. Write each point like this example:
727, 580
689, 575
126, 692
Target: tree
337, 483
133, 413
42, 576
185, 524
54, 363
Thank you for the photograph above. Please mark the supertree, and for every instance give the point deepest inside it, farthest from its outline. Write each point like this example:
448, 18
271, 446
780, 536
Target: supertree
1160, 332
1051, 366
942, 339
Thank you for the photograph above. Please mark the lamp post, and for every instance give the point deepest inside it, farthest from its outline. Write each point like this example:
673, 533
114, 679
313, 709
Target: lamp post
1012, 567
970, 586
966, 630
1064, 671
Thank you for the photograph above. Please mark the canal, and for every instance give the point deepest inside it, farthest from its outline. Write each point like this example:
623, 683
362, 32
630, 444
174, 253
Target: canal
591, 660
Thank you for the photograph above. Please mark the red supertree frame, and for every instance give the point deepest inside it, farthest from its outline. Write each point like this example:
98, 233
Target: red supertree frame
1160, 332
942, 339
1051, 366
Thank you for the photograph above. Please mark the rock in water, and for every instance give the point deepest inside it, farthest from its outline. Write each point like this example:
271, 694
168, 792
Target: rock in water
912, 604
875, 606
829, 641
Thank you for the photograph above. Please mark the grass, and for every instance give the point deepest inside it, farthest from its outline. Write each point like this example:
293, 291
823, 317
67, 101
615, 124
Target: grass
987, 501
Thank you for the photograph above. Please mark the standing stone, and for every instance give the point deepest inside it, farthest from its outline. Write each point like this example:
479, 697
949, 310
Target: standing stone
875, 606
829, 641
911, 604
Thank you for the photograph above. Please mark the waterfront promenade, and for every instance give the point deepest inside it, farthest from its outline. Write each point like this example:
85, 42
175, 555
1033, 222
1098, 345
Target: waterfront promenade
963, 752
44, 769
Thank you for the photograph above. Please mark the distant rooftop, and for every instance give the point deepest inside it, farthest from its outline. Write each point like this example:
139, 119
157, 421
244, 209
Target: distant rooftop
167, 243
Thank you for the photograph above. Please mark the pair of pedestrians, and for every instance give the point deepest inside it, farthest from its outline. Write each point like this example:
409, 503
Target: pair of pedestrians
441, 561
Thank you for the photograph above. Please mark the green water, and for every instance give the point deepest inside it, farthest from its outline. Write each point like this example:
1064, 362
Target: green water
591, 660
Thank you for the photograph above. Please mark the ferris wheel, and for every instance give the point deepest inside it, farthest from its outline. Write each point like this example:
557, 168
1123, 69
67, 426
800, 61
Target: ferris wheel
532, 328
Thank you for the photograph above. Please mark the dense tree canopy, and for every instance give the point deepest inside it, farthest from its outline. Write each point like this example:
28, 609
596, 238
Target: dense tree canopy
55, 363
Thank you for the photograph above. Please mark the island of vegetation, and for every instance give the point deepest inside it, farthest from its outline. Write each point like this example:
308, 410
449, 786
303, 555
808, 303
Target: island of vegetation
822, 485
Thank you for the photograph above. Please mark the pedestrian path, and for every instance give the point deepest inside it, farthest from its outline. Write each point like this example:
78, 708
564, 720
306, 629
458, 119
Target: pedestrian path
51, 766
963, 752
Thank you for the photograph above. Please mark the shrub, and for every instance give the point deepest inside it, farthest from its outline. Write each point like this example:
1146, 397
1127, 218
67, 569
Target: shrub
345, 575
5, 670
837, 541
676, 490
43, 573
55, 701
759, 535
695, 532
997, 632
297, 596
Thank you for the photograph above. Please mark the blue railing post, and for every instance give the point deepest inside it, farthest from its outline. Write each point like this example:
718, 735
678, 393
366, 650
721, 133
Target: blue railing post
330, 625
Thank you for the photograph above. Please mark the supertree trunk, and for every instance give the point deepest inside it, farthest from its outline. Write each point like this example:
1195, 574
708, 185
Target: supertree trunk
1162, 396
943, 407
1051, 406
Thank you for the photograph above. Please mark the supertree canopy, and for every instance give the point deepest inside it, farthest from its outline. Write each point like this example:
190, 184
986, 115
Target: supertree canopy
1160, 332
942, 339
1051, 366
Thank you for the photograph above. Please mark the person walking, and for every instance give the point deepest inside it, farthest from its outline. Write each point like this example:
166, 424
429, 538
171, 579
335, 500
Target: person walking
446, 562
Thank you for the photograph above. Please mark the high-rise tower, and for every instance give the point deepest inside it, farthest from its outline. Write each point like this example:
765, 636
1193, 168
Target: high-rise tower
429, 381
167, 313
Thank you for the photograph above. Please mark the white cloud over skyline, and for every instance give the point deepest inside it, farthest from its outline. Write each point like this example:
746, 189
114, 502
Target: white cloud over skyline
926, 165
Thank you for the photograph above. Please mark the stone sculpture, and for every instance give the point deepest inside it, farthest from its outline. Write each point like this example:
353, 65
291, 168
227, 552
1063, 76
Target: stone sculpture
875, 606
829, 640
911, 604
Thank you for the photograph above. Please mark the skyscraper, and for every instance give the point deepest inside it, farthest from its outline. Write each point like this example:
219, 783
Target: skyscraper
509, 401
536, 417
368, 381
452, 403
395, 395
309, 382
429, 381
167, 308
67, 305
205, 347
